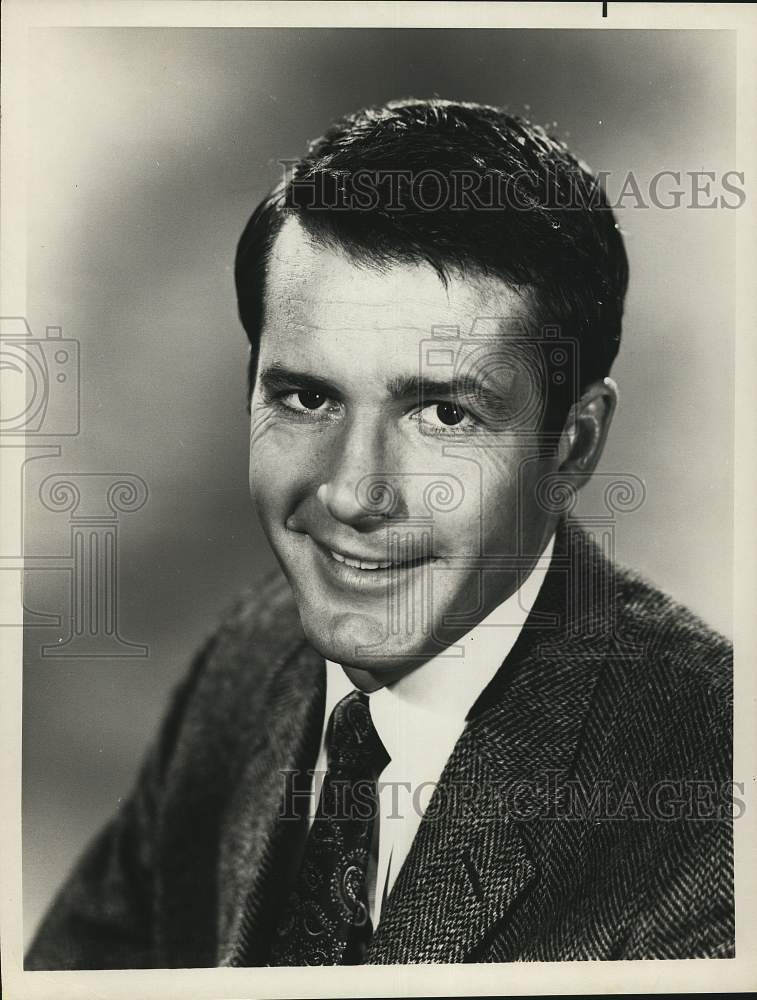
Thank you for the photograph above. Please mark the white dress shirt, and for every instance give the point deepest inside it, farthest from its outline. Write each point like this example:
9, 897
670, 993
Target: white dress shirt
419, 719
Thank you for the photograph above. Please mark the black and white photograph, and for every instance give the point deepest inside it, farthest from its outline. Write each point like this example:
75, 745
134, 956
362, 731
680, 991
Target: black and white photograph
377, 543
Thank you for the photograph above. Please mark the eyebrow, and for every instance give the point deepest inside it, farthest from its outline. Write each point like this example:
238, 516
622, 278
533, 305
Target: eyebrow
420, 387
278, 378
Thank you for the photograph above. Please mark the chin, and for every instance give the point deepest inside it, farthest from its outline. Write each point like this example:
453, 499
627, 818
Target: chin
359, 641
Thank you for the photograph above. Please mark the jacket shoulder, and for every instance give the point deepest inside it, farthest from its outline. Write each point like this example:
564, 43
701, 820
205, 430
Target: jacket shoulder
261, 622
668, 631
669, 677
259, 629
223, 697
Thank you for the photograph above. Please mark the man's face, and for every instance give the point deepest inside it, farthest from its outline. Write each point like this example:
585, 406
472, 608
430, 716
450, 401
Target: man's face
394, 475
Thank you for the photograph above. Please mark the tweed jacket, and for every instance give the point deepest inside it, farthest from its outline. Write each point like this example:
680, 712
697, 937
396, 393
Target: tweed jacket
584, 813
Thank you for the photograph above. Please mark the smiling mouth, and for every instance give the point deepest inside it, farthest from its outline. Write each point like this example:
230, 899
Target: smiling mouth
403, 556
371, 565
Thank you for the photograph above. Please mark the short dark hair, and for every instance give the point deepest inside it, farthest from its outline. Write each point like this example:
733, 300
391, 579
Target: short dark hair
472, 190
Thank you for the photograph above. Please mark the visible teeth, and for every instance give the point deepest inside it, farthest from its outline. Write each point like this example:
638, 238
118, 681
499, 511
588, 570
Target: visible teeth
360, 563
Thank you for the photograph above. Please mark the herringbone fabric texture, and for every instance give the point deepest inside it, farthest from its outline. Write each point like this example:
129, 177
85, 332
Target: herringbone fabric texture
584, 813
326, 919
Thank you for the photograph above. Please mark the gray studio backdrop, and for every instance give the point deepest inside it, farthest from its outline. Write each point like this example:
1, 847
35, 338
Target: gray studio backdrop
148, 149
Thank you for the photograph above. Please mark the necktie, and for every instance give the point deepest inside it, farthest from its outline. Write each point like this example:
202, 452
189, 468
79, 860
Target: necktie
325, 920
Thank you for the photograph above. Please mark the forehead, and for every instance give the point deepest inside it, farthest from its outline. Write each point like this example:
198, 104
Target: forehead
312, 289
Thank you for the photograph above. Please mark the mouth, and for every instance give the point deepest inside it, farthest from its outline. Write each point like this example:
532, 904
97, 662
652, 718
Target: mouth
359, 569
372, 565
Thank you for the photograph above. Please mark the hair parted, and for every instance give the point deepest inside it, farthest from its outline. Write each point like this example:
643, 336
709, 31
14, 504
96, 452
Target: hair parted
467, 189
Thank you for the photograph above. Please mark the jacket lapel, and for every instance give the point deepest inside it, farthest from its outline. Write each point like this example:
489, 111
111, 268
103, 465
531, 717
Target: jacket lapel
473, 857
461, 874
256, 849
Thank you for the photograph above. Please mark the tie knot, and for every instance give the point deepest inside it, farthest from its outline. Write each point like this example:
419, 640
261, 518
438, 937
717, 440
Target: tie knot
352, 740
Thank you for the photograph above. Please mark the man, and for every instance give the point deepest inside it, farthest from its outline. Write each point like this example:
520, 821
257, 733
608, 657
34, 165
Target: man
452, 730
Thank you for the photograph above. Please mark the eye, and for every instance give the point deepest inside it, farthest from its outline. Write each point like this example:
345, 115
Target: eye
450, 414
441, 418
305, 400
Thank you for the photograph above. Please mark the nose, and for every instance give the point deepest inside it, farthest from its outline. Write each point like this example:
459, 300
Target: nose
357, 489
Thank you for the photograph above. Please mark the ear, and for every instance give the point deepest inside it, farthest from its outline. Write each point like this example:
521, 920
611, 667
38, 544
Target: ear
585, 432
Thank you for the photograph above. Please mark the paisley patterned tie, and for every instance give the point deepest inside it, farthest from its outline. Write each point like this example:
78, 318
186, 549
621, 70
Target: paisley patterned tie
325, 920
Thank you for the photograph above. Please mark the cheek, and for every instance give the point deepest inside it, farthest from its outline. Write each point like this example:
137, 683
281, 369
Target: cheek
480, 507
272, 480
498, 500
285, 467
495, 486
265, 492
500, 504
